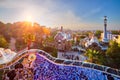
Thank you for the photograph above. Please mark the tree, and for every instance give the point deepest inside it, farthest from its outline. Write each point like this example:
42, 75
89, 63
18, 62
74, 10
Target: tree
95, 54
98, 33
113, 52
91, 54
3, 42
115, 32
20, 44
94, 46
2, 28
51, 50
18, 29
29, 38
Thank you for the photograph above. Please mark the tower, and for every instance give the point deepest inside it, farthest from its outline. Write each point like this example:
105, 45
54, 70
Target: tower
61, 29
105, 39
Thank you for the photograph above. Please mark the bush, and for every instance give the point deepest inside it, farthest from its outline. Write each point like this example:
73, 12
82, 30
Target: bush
20, 44
3, 42
113, 52
51, 50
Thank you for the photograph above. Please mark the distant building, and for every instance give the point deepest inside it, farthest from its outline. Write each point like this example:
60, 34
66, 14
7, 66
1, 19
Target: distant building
106, 36
110, 36
95, 41
63, 40
83, 41
91, 41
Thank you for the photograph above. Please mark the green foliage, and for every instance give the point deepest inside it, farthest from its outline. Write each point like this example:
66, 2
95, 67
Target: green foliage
82, 36
115, 32
94, 46
1, 73
29, 37
49, 39
51, 50
92, 55
3, 42
95, 54
98, 33
54, 53
113, 48
110, 58
96, 57
18, 29
53, 33
20, 44
113, 53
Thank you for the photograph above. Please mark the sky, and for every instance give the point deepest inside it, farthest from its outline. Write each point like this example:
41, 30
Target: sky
71, 14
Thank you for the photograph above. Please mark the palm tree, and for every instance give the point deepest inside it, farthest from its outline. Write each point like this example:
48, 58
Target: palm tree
92, 55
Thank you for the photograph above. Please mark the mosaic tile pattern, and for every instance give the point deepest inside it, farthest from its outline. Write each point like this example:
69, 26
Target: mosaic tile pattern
48, 70
46, 67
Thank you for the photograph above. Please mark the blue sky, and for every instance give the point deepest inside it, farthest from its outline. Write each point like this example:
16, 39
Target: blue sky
72, 14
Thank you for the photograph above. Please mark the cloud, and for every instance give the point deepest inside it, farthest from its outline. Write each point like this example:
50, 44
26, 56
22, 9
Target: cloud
50, 13
46, 13
92, 12
67, 17
57, 19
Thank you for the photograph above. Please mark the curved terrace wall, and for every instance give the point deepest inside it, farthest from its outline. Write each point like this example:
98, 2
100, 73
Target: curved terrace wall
47, 67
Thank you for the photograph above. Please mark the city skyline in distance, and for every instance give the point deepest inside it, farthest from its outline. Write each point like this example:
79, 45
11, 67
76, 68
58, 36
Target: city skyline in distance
71, 14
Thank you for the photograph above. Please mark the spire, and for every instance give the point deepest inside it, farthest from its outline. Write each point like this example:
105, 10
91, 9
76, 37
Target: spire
105, 39
105, 21
61, 28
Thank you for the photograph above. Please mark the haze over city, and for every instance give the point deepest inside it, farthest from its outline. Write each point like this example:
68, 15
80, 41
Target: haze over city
72, 14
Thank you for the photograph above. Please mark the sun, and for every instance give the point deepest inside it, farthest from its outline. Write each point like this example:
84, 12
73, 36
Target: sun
29, 19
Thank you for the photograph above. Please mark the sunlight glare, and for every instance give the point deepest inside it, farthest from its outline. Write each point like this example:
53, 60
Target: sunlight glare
29, 18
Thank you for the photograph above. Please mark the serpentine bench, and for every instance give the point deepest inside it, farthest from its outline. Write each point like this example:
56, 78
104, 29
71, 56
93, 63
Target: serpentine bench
48, 67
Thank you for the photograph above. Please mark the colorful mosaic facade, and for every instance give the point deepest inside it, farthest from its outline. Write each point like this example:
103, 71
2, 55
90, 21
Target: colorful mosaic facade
45, 67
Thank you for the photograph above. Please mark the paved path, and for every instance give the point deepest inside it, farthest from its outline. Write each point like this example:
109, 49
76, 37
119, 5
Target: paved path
12, 43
